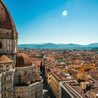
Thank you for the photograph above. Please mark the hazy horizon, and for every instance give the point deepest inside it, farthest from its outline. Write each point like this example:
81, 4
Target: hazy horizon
56, 43
55, 21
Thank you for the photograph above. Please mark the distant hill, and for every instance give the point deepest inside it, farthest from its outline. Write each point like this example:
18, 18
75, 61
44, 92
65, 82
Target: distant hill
92, 45
58, 46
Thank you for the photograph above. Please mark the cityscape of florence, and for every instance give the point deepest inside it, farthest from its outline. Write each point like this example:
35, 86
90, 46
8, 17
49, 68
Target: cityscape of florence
48, 49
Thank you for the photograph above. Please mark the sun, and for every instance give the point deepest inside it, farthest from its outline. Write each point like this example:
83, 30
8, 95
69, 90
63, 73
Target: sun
64, 13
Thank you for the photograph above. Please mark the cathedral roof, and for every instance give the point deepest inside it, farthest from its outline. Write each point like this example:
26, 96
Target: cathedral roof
4, 59
22, 60
6, 21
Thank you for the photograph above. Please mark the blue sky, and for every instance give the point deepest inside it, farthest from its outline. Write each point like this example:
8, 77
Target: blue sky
55, 21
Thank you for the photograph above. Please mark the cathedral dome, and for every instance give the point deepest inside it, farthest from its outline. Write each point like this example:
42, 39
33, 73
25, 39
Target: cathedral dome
6, 22
22, 60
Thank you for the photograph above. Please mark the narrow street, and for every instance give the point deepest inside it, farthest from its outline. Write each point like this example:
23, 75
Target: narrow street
49, 93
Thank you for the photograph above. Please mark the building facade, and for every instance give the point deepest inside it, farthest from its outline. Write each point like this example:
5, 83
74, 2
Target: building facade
8, 45
6, 77
54, 84
27, 84
66, 91
18, 79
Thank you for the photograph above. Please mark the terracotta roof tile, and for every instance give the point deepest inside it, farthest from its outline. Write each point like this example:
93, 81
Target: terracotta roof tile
5, 17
